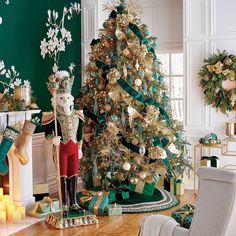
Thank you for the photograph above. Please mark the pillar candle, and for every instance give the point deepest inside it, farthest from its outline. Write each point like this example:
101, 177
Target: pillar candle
1, 193
16, 218
6, 199
10, 211
22, 212
3, 217
2, 206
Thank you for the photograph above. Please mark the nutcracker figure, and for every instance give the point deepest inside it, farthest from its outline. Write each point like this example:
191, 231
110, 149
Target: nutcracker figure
62, 129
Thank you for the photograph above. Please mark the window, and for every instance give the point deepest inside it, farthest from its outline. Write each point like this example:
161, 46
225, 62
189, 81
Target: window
172, 67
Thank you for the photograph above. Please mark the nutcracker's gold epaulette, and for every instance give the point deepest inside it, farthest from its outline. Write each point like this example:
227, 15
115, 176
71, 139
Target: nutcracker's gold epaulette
47, 117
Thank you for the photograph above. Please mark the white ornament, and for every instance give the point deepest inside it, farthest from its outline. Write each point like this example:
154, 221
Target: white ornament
138, 82
137, 65
126, 166
172, 148
142, 175
142, 150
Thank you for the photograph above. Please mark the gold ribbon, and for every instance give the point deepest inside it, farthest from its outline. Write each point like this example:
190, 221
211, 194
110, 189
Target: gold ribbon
88, 195
217, 68
45, 200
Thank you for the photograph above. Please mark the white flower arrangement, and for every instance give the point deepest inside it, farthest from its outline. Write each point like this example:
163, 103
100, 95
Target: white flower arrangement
58, 37
13, 76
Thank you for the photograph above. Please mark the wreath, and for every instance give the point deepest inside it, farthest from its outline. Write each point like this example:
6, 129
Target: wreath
218, 81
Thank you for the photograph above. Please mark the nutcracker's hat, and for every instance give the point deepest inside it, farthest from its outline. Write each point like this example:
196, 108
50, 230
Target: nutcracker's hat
61, 82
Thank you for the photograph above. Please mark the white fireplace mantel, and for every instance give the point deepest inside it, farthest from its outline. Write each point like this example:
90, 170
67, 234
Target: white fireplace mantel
20, 176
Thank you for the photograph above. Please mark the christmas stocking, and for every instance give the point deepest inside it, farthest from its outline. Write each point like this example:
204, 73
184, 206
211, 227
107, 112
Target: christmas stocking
9, 136
26, 133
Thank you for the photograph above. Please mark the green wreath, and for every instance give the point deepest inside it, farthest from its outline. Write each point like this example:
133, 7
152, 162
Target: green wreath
218, 81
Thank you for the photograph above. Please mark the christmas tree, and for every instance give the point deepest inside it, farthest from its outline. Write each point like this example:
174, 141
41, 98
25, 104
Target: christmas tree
129, 131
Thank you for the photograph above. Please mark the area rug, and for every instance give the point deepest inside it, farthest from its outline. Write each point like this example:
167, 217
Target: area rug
140, 203
152, 204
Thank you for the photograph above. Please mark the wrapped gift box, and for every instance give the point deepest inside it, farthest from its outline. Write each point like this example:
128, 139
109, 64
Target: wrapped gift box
176, 186
160, 183
179, 187
184, 215
44, 207
95, 202
143, 187
211, 161
114, 210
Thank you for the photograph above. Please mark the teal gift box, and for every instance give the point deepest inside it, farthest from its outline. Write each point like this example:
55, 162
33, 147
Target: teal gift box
184, 215
42, 208
95, 202
114, 210
143, 187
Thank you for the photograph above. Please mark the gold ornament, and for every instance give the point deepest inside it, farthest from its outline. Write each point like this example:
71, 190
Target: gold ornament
127, 53
231, 75
107, 107
135, 141
112, 128
148, 75
126, 166
227, 61
113, 76
142, 175
156, 153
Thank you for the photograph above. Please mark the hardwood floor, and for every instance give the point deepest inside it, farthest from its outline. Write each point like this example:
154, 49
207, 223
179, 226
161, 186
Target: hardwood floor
127, 224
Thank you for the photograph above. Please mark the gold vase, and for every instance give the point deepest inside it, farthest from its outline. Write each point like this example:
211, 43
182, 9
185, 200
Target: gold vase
23, 92
230, 129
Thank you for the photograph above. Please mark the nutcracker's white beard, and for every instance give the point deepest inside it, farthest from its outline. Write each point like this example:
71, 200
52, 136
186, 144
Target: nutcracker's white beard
64, 103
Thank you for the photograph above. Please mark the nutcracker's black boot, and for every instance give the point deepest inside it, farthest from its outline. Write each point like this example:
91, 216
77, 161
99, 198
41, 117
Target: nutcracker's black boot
72, 188
64, 196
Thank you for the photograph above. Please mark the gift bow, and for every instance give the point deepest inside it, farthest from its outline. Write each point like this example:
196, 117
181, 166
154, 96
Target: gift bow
217, 68
45, 200
185, 211
88, 195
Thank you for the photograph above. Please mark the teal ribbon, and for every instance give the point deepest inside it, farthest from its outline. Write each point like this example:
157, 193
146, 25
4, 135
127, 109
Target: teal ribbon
101, 124
160, 142
139, 97
135, 29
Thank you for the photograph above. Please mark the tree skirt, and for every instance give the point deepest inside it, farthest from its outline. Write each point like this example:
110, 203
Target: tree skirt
160, 201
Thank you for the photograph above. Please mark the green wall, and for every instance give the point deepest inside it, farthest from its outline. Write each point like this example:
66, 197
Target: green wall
20, 34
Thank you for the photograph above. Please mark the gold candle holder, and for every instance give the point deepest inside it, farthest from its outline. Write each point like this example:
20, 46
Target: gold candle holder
230, 129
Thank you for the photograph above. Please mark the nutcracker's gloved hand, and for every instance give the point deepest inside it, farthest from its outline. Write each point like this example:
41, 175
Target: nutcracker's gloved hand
80, 144
56, 140
80, 154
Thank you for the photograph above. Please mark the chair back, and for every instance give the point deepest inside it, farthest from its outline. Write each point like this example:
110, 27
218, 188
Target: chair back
215, 213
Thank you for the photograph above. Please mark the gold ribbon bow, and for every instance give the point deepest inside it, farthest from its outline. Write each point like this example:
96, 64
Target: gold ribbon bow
45, 200
88, 195
217, 68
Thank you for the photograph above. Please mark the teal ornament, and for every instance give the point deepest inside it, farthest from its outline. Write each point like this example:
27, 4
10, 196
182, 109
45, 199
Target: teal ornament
114, 118
141, 72
123, 118
145, 41
147, 33
95, 107
97, 82
128, 31
161, 78
95, 168
131, 80
111, 53
155, 75
129, 66
154, 89
115, 58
